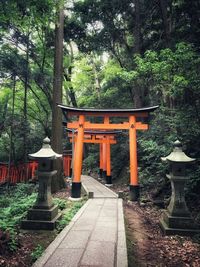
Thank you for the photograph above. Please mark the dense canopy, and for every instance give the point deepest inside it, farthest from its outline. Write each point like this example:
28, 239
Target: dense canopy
116, 54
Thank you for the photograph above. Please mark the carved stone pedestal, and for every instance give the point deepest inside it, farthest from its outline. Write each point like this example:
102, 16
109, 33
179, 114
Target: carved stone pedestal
172, 225
44, 214
177, 219
41, 219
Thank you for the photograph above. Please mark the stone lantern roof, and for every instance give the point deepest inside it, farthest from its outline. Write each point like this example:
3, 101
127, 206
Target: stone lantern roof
177, 155
45, 152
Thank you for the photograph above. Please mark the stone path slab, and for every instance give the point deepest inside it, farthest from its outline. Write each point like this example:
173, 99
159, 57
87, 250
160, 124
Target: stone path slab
95, 237
99, 190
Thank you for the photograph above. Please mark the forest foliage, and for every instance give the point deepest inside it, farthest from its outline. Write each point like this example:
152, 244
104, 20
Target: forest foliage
14, 205
116, 54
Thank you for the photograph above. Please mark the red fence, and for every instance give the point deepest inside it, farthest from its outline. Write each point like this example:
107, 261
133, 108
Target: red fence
67, 159
20, 173
25, 172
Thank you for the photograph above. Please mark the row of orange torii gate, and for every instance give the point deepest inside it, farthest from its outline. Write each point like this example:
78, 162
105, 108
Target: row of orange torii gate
88, 125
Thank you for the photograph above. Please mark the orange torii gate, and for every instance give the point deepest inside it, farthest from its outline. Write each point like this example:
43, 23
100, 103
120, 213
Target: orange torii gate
104, 139
132, 124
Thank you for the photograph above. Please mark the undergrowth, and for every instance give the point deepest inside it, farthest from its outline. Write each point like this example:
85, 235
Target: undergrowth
37, 252
68, 214
14, 205
61, 203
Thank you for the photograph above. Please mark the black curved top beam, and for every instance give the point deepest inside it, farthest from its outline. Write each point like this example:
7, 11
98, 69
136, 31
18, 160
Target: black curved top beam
99, 112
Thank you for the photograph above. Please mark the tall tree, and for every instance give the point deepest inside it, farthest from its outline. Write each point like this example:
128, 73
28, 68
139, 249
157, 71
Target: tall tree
163, 8
68, 69
57, 129
25, 102
137, 27
11, 150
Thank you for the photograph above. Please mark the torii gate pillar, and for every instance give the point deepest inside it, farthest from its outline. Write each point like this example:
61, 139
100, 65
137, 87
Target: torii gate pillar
134, 186
100, 160
108, 165
76, 184
104, 161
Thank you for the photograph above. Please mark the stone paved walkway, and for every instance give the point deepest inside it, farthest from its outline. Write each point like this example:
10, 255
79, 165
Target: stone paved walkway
95, 237
99, 190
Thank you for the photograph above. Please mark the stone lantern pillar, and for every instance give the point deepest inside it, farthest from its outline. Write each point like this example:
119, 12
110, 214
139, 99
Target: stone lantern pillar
43, 215
177, 219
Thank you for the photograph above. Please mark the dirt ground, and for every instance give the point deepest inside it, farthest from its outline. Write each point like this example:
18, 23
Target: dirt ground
147, 246
27, 242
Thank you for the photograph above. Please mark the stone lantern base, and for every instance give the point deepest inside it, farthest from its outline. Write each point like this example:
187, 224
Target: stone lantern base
41, 219
172, 225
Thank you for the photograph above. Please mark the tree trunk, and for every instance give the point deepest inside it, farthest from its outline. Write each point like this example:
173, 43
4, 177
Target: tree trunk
163, 8
68, 77
25, 105
137, 90
138, 97
11, 150
70, 90
4, 112
96, 80
137, 27
57, 129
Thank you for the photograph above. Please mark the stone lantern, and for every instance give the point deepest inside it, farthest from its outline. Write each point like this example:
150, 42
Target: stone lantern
43, 215
177, 219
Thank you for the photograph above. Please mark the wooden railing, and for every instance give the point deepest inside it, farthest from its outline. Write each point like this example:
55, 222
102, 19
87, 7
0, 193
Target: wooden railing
27, 171
67, 159
17, 173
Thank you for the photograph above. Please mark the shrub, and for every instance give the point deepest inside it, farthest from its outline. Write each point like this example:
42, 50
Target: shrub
37, 252
62, 203
14, 206
68, 215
